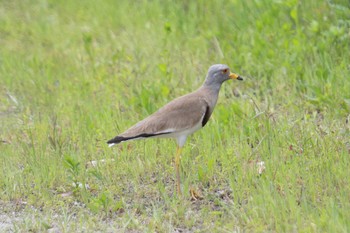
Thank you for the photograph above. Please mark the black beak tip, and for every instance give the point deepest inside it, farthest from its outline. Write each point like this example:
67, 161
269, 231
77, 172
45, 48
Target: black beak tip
240, 78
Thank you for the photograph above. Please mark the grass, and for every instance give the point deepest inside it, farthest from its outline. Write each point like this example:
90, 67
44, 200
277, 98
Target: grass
74, 74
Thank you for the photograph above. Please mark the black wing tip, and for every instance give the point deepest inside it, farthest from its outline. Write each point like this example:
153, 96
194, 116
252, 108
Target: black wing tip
119, 139
116, 140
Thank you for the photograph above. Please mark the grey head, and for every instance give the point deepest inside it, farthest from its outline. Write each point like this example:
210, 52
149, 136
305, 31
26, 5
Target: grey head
219, 73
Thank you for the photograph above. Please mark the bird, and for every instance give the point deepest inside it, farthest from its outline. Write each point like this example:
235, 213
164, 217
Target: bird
182, 116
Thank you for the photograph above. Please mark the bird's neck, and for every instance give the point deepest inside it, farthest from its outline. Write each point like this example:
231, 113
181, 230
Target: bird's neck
213, 87
213, 91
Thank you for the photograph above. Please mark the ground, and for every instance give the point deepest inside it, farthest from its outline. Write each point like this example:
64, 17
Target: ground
274, 157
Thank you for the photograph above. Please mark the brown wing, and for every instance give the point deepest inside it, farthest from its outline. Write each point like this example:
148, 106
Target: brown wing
180, 114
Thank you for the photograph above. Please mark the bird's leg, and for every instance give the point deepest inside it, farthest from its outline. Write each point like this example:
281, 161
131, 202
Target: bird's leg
177, 169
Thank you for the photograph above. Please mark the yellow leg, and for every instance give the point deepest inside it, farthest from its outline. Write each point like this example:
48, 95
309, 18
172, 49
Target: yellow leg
177, 169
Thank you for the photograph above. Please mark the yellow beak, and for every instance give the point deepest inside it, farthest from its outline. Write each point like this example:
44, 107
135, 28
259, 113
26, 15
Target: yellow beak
235, 76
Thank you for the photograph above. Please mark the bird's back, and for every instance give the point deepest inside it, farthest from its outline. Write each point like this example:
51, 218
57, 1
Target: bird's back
179, 115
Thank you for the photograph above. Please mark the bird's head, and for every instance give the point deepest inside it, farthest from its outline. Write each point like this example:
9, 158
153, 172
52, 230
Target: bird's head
219, 73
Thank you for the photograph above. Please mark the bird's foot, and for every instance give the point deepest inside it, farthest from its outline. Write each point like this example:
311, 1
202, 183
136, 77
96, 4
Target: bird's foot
195, 195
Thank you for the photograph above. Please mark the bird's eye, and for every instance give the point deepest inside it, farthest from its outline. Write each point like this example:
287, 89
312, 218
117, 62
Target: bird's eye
225, 71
